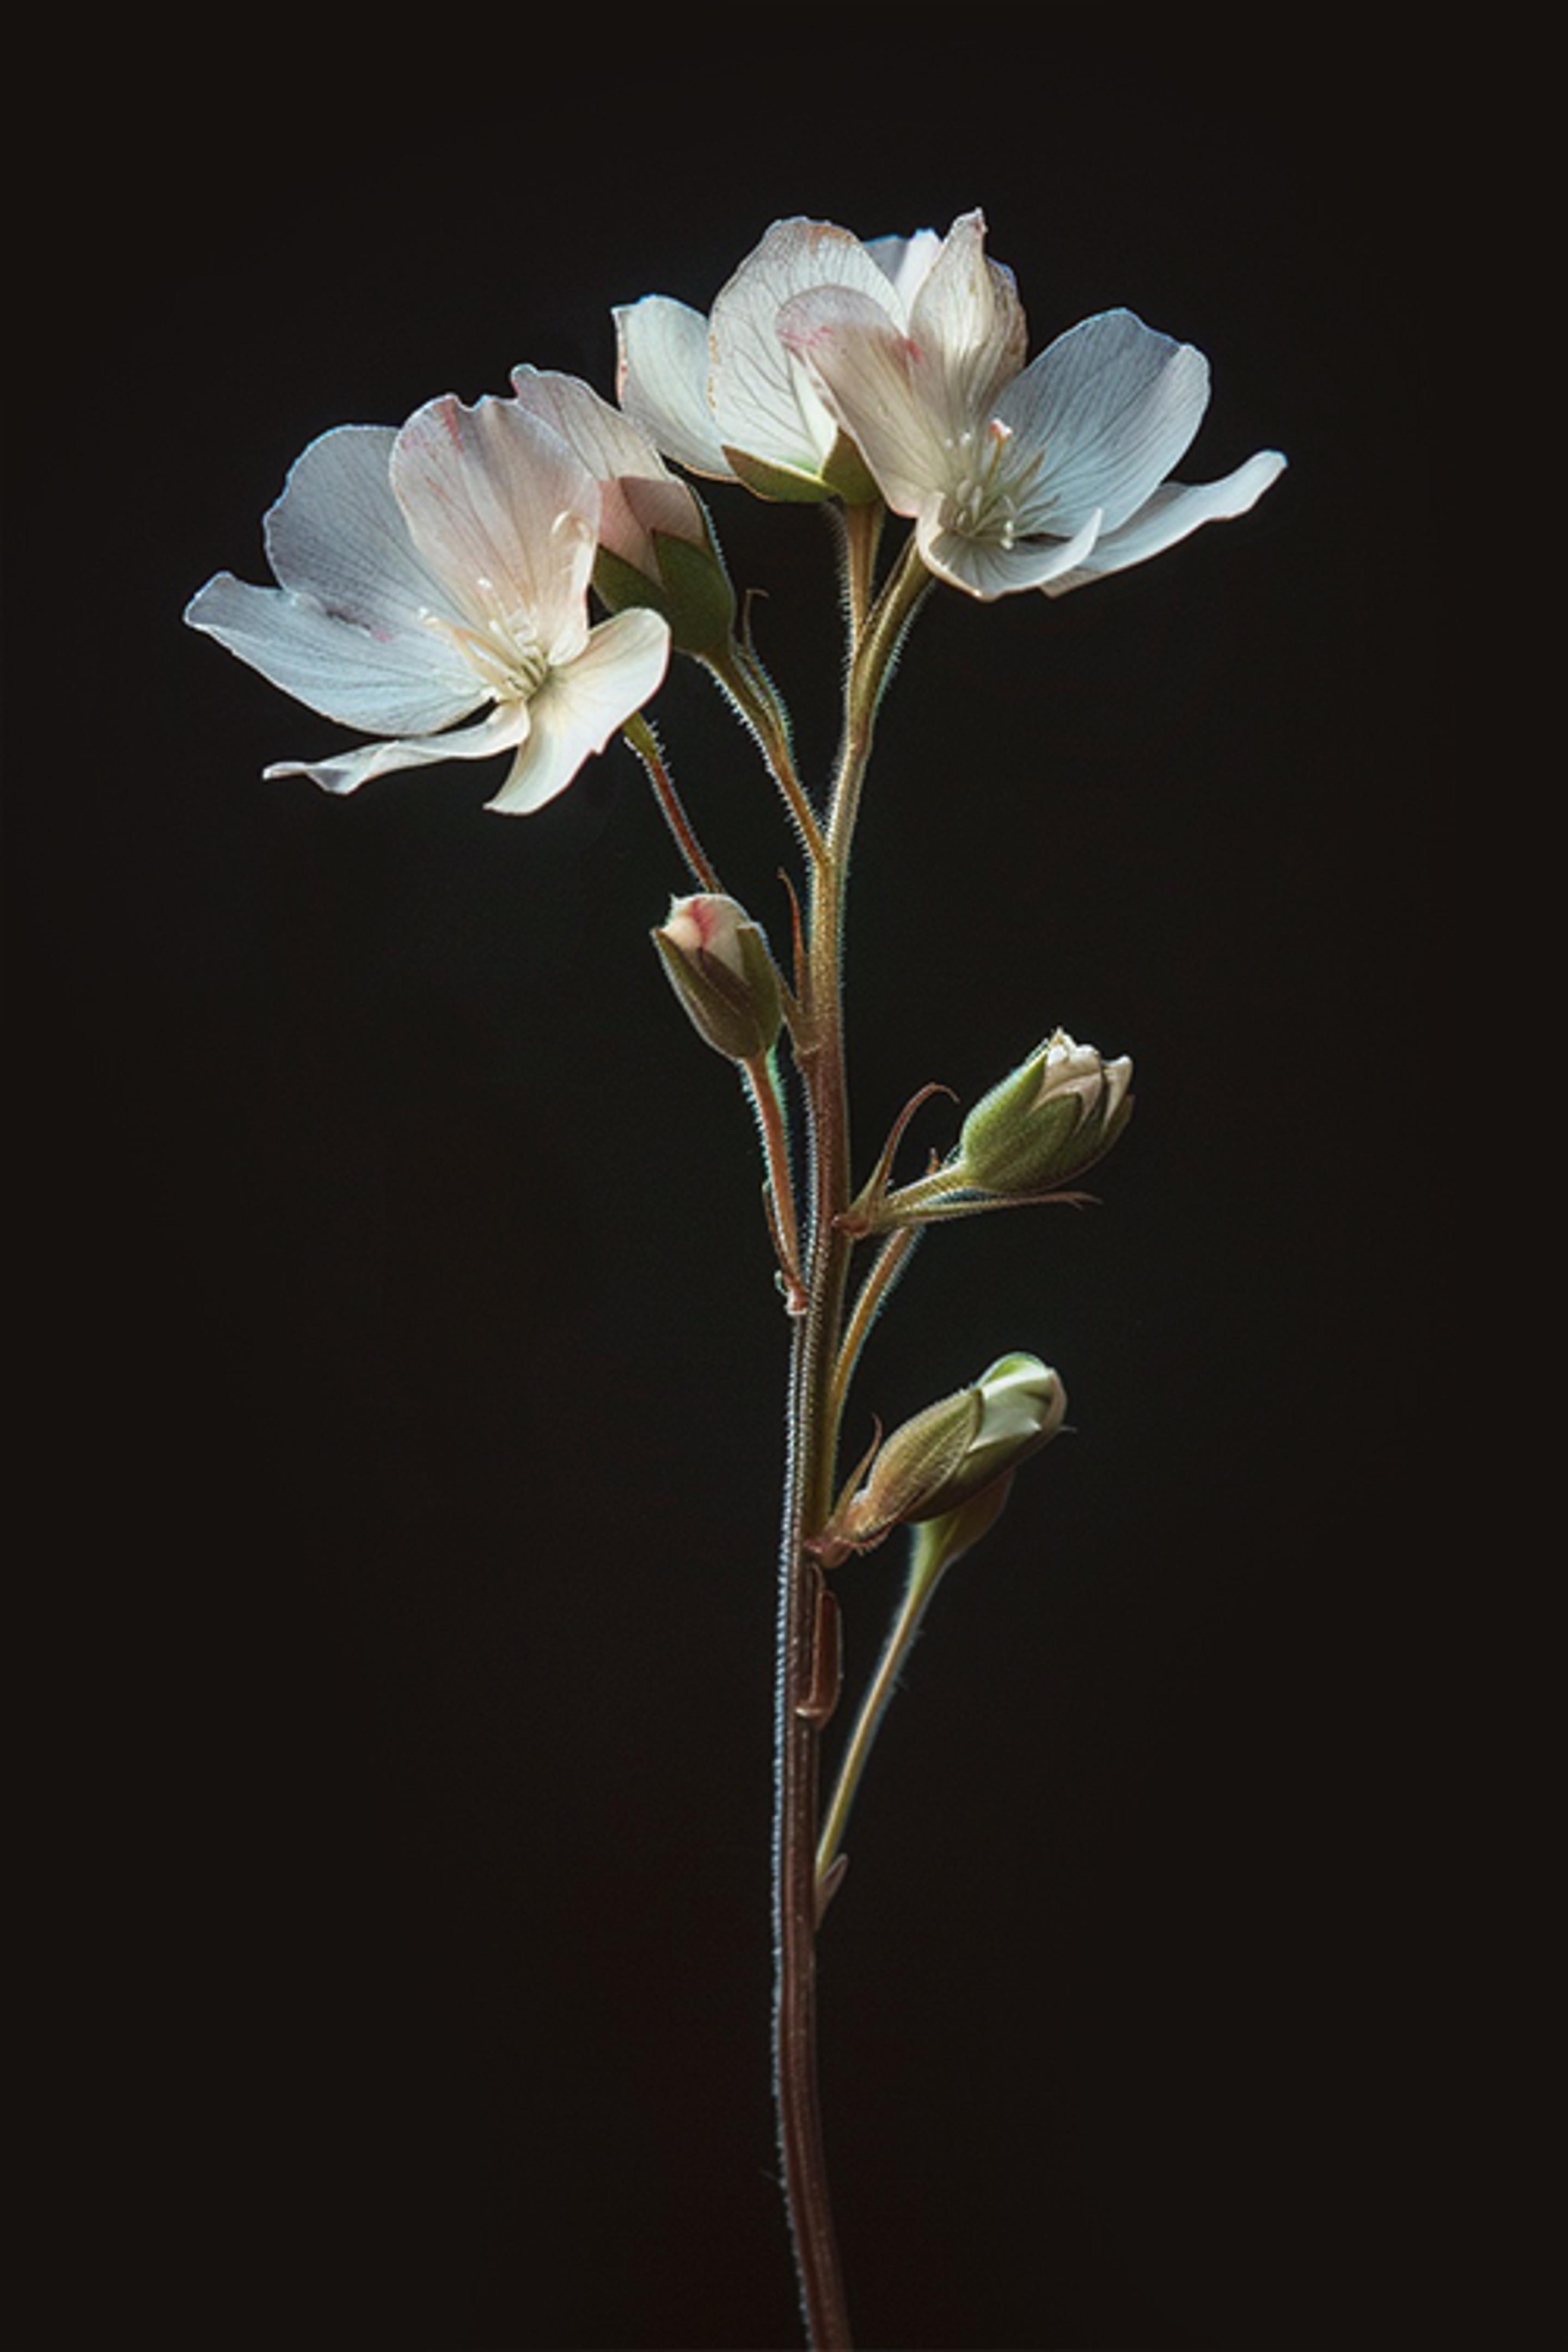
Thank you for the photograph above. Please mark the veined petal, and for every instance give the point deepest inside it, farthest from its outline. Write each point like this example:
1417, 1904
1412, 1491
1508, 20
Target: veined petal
662, 381
872, 380
1111, 406
580, 705
499, 731
1172, 512
764, 403
969, 325
504, 513
403, 682
338, 536
986, 569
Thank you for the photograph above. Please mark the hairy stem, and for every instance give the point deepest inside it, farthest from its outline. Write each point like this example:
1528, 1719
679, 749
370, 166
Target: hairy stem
814, 1399
645, 744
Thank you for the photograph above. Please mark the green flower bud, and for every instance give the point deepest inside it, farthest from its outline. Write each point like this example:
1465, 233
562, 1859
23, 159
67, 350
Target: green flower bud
950, 1453
1054, 1117
719, 966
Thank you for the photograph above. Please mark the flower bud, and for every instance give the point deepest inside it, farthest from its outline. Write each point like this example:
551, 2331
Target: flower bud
654, 553
953, 1452
719, 966
1054, 1117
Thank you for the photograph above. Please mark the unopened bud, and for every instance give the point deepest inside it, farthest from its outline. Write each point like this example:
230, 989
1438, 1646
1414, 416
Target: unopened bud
1052, 1118
951, 1453
719, 966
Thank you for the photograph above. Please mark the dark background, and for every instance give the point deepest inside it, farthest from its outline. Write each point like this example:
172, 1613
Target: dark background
398, 1465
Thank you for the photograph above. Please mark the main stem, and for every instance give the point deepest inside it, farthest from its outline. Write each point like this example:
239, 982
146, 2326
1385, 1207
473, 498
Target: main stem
809, 1488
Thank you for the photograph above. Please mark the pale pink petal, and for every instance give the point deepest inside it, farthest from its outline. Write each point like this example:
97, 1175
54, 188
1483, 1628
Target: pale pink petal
662, 381
872, 380
582, 705
504, 513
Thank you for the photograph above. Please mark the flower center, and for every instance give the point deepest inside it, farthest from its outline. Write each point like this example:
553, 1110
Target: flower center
985, 502
498, 642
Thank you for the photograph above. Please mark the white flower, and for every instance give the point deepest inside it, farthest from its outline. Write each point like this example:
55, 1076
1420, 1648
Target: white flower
724, 397
432, 571
1042, 476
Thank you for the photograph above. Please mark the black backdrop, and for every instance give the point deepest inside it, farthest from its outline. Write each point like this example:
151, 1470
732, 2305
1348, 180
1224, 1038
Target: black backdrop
398, 1453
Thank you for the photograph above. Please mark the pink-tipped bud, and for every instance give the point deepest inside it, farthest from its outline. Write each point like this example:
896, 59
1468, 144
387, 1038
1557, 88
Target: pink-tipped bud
719, 966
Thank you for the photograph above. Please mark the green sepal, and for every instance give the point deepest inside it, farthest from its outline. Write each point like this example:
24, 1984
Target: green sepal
783, 484
693, 591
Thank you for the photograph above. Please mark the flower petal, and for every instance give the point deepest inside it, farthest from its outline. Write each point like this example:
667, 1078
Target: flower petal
1169, 516
504, 513
763, 402
499, 731
1112, 405
662, 381
969, 325
871, 378
580, 705
405, 681
986, 569
338, 535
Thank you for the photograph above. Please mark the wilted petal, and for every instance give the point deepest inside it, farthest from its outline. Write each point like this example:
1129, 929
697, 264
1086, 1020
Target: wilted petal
662, 381
504, 513
346, 770
1172, 512
581, 704
1111, 406
405, 682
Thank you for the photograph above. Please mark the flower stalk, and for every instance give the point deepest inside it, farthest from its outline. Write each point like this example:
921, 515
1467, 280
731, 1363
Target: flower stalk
431, 592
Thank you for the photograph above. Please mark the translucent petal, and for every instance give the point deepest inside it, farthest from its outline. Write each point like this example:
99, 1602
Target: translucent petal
581, 706
1107, 409
344, 771
504, 513
662, 381
1167, 517
406, 681
338, 535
